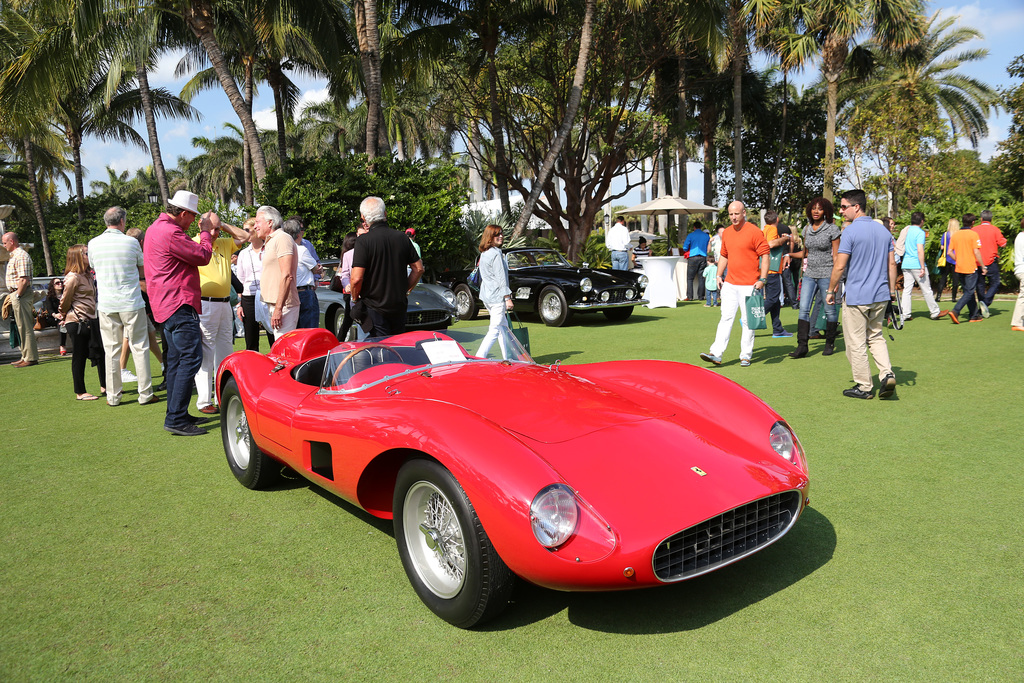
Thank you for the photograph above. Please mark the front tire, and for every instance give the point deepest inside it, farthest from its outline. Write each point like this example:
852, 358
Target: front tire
445, 551
552, 307
618, 314
465, 302
253, 468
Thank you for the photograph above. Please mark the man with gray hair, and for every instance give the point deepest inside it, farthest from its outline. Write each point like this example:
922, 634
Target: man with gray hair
19, 284
385, 268
306, 272
118, 263
277, 281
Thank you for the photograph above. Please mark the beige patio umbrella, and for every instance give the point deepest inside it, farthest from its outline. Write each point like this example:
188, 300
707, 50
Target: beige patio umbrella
669, 205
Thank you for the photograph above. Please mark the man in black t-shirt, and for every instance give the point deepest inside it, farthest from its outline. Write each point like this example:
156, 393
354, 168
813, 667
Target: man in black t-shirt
385, 268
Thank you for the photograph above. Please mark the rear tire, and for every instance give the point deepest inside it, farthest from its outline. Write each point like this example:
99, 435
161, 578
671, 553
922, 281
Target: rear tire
465, 303
253, 468
445, 551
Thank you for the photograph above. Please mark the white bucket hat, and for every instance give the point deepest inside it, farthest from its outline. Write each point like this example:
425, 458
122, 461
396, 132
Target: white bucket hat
185, 200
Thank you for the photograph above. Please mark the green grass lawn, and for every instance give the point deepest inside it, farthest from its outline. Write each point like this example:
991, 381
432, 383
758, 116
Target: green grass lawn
130, 554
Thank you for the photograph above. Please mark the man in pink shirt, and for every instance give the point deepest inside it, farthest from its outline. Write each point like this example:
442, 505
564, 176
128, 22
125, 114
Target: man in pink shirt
172, 259
991, 239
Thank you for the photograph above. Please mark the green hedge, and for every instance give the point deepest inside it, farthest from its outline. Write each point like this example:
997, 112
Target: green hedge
326, 193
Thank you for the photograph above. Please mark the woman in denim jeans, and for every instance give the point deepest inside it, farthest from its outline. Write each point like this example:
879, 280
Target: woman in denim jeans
821, 242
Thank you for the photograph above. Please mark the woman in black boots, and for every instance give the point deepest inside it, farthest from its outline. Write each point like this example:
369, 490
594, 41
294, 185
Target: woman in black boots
821, 243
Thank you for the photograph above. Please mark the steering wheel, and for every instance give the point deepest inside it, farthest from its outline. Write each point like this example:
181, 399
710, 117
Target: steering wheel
353, 353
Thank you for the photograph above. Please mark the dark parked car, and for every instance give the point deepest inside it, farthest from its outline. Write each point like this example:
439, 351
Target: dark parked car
543, 281
431, 307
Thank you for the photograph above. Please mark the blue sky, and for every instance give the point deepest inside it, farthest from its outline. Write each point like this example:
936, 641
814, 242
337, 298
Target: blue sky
1000, 21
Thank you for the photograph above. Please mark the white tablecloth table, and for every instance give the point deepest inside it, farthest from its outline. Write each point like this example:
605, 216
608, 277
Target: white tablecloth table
661, 285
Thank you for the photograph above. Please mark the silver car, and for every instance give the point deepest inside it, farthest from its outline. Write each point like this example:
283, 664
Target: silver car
431, 307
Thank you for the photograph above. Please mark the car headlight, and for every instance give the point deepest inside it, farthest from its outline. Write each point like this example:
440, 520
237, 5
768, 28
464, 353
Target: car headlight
449, 296
785, 443
630, 294
642, 281
606, 295
586, 285
554, 515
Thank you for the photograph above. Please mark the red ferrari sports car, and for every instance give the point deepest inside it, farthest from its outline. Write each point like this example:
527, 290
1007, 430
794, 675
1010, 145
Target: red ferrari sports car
603, 476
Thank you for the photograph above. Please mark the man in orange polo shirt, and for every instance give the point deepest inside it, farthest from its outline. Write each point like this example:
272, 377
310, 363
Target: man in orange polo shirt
965, 247
743, 263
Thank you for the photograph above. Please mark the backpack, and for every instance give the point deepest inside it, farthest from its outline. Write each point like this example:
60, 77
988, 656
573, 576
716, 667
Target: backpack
901, 243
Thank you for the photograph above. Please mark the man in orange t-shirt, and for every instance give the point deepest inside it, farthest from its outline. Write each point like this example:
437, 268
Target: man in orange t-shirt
742, 268
965, 247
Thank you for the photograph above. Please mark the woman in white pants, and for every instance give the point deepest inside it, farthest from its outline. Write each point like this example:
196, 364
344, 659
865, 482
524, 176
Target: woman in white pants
494, 289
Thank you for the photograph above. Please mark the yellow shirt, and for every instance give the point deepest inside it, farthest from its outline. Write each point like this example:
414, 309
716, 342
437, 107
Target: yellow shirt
215, 277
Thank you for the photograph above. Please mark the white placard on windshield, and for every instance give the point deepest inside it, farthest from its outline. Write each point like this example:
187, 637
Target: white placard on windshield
443, 351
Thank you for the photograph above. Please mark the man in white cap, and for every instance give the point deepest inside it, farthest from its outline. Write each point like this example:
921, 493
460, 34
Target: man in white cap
172, 261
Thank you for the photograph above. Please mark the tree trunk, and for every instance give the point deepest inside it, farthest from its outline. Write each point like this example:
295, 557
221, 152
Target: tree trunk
708, 118
199, 17
154, 142
369, 57
586, 37
37, 206
830, 139
276, 78
247, 189
682, 123
773, 193
498, 134
739, 54
833, 60
476, 180
75, 138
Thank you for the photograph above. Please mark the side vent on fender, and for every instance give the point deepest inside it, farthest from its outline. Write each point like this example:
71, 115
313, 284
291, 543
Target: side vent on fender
320, 461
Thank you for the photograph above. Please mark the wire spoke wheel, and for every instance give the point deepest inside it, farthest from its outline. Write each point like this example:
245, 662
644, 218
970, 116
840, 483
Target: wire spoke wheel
435, 539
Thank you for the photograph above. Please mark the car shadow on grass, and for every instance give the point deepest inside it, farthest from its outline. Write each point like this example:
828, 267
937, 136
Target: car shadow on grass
687, 605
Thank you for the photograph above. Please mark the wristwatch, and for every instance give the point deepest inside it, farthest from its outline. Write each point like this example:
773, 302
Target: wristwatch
762, 279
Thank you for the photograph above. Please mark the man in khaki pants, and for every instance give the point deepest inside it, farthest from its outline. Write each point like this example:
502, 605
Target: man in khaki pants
866, 251
19, 283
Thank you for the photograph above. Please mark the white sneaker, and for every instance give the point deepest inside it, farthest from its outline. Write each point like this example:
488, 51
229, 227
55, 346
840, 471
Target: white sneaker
128, 376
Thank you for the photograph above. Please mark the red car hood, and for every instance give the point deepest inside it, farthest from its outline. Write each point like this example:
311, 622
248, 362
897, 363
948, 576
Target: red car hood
535, 402
647, 471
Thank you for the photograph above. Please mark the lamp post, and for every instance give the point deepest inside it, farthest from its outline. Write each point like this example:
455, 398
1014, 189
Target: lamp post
154, 198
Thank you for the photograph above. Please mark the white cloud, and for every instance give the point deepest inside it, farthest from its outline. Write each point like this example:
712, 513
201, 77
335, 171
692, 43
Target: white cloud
991, 19
265, 118
181, 130
162, 74
311, 97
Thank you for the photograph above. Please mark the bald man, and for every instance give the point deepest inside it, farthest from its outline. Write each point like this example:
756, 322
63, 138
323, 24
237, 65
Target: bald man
742, 269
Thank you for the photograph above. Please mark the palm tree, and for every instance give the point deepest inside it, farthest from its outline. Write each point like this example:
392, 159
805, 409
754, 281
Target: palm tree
218, 169
924, 74
369, 55
834, 24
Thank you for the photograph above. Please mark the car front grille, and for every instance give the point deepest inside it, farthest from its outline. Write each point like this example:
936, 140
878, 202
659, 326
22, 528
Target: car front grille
618, 295
417, 319
725, 538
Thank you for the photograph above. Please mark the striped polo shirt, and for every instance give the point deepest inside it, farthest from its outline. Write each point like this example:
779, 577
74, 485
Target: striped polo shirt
116, 258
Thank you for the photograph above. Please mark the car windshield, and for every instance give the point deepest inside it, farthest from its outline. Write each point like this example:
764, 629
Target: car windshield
536, 257
355, 366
